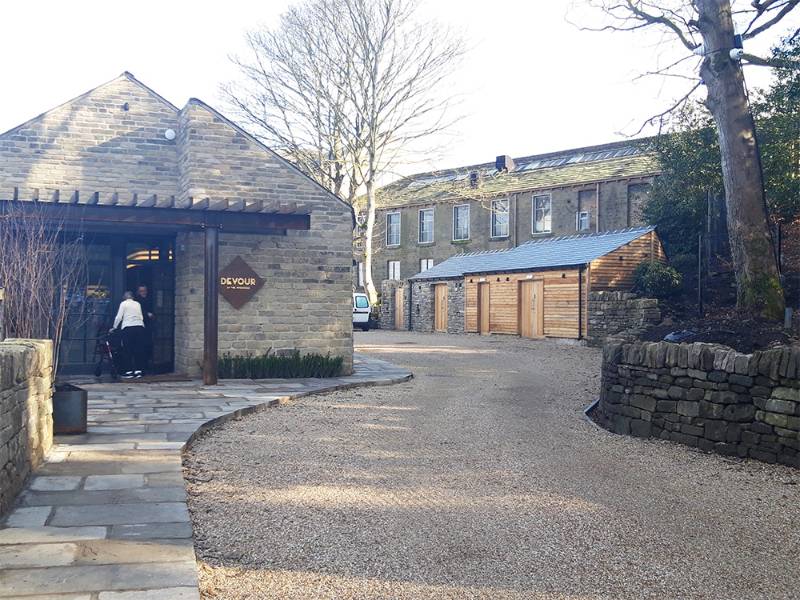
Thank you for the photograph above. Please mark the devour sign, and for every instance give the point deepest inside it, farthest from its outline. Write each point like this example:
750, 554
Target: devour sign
238, 283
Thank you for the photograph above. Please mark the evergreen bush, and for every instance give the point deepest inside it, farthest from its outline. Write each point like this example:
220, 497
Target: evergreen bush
657, 280
272, 366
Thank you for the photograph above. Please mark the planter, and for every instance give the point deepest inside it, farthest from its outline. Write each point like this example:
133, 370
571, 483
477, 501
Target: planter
70, 408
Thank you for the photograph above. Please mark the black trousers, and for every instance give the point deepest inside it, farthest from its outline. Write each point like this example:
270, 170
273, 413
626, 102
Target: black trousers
134, 348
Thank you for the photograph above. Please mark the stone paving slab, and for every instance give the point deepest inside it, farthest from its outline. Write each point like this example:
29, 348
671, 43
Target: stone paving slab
105, 518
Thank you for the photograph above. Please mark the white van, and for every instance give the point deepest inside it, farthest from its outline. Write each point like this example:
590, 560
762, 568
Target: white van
361, 311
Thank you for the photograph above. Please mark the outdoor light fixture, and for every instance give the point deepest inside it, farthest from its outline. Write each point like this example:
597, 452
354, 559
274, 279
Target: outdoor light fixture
169, 134
736, 53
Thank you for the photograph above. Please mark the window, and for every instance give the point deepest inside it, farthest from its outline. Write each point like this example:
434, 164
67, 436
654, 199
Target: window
541, 214
394, 270
426, 226
500, 218
361, 274
362, 302
461, 222
425, 264
582, 221
393, 229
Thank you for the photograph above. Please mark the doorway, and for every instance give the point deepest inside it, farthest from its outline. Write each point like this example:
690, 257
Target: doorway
115, 265
440, 308
484, 308
531, 309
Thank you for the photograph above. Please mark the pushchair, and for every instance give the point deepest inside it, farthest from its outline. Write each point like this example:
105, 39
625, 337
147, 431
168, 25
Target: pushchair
107, 353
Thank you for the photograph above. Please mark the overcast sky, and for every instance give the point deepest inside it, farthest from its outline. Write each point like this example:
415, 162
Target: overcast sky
531, 83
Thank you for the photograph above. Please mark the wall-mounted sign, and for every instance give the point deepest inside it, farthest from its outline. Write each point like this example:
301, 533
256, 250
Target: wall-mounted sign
238, 283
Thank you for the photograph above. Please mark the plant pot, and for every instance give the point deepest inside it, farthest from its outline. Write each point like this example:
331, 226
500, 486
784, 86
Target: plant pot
70, 409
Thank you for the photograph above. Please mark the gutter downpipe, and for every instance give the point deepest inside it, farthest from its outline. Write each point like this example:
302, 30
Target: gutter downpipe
580, 302
410, 303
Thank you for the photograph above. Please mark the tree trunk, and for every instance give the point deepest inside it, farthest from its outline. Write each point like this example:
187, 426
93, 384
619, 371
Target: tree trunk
371, 291
758, 283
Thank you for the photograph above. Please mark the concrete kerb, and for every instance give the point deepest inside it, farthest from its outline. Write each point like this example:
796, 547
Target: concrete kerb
284, 400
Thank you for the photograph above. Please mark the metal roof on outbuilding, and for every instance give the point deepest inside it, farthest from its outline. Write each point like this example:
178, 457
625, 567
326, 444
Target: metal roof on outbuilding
561, 251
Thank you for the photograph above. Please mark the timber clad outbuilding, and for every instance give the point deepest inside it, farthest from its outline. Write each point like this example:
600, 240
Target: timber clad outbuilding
539, 289
170, 198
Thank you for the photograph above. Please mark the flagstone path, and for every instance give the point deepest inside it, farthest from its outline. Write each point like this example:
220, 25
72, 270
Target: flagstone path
105, 518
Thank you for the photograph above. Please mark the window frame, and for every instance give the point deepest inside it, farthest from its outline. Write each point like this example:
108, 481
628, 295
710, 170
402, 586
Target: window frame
469, 211
578, 220
432, 212
549, 229
399, 229
428, 261
389, 264
494, 214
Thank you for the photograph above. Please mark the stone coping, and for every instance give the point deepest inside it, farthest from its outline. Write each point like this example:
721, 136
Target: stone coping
106, 517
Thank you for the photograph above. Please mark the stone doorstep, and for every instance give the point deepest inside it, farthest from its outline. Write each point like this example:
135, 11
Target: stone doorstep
118, 526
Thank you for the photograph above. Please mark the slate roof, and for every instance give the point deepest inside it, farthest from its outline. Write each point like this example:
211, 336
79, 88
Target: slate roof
564, 251
630, 158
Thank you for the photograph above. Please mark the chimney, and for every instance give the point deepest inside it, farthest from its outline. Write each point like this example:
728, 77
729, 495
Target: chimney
504, 163
474, 179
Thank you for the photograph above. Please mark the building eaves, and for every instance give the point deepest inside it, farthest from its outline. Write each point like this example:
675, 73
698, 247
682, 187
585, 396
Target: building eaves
563, 251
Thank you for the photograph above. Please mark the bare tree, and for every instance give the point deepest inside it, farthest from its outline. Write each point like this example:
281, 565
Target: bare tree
290, 96
43, 273
706, 30
346, 88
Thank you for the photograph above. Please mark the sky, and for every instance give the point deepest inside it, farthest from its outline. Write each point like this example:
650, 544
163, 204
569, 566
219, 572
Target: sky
531, 82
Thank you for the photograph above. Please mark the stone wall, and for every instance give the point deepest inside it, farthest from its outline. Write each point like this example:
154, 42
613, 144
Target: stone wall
389, 289
423, 305
26, 412
620, 207
306, 302
705, 395
613, 312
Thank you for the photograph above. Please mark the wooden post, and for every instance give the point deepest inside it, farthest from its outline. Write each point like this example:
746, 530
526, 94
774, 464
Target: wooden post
211, 306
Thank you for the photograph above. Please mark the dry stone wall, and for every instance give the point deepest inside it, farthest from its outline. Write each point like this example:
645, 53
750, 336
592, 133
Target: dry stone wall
26, 412
613, 312
705, 395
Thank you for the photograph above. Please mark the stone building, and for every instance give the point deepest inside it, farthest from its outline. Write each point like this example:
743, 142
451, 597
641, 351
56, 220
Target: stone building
424, 219
173, 198
573, 287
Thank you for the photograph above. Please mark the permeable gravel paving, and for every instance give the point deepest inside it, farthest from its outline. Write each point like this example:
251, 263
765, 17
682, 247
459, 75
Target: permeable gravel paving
480, 478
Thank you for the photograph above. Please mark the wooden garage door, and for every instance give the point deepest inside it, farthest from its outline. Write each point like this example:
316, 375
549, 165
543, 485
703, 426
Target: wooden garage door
484, 308
399, 313
531, 309
440, 308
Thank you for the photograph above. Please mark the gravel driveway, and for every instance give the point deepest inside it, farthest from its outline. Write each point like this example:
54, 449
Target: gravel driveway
480, 479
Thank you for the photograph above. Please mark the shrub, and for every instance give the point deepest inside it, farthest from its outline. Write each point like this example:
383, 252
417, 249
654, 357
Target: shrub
657, 280
685, 264
271, 366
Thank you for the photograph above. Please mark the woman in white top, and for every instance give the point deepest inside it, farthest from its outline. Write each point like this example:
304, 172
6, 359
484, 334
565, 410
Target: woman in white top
134, 349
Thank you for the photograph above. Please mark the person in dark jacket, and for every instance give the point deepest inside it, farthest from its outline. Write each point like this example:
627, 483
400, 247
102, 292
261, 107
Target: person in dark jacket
144, 300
